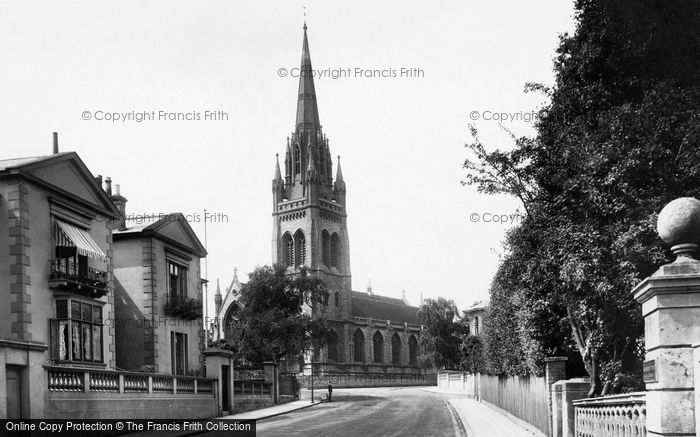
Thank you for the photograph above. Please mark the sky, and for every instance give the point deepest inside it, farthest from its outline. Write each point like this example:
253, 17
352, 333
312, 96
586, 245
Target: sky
415, 76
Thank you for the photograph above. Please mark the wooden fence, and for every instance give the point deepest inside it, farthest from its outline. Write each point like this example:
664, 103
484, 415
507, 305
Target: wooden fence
525, 397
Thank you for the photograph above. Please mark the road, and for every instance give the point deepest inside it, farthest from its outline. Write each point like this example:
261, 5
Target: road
400, 411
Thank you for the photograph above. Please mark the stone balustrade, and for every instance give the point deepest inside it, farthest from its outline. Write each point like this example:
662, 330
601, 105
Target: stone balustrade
61, 379
611, 416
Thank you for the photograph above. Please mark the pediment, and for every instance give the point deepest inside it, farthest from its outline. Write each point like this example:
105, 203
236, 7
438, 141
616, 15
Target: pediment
68, 174
174, 227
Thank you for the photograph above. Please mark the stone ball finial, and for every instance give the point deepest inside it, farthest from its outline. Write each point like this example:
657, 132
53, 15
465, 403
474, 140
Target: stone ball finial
679, 225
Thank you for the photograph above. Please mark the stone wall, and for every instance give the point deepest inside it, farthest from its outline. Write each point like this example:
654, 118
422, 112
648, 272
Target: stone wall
357, 380
131, 406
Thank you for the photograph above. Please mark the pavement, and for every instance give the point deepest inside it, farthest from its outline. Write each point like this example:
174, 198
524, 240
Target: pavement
482, 420
265, 413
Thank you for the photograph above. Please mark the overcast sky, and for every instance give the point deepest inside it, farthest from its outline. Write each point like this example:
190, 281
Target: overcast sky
412, 226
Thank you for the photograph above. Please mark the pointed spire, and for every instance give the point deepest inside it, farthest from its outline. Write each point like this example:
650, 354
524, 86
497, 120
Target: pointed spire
311, 173
339, 186
339, 173
312, 163
217, 301
307, 108
278, 173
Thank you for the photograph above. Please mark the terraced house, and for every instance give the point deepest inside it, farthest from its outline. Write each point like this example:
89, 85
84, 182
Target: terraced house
59, 332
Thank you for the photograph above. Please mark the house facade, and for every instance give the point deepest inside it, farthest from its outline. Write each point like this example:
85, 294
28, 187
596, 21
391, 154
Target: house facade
62, 337
158, 296
55, 276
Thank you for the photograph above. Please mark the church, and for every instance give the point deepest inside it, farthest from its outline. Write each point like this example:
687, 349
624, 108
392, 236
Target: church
375, 334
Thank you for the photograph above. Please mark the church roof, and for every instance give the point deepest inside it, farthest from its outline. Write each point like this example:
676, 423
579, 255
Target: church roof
232, 293
383, 308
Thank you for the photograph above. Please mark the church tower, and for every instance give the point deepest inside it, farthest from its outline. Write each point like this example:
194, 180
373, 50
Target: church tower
309, 217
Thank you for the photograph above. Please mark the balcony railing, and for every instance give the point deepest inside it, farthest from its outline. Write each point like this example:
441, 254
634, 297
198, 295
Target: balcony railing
88, 281
612, 416
187, 308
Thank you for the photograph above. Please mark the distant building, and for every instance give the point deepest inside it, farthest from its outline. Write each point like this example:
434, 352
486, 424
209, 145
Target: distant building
226, 307
475, 316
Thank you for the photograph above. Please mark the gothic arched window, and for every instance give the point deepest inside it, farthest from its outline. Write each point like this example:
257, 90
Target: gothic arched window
337, 299
326, 248
288, 250
359, 340
297, 160
413, 351
335, 251
230, 320
396, 349
378, 343
299, 248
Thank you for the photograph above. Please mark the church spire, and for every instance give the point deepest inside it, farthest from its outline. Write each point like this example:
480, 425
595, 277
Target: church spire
278, 173
217, 298
307, 108
339, 174
339, 185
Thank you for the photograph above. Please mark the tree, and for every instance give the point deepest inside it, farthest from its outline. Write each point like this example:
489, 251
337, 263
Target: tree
619, 139
472, 354
441, 340
274, 319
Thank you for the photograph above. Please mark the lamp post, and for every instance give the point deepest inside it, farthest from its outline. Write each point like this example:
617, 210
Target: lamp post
275, 374
312, 381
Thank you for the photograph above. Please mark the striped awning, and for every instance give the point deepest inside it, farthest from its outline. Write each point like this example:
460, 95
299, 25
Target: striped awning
83, 241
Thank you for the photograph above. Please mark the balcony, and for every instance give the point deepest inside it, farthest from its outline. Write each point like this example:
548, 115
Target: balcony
187, 308
83, 280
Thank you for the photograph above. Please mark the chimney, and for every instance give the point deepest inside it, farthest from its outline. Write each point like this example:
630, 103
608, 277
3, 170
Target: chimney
99, 180
55, 143
119, 201
108, 187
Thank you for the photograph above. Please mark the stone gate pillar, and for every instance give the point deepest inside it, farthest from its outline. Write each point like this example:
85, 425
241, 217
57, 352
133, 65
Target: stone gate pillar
218, 361
670, 301
555, 370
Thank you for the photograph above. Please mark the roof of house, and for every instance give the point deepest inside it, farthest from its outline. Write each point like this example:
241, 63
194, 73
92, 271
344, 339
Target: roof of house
172, 227
18, 162
383, 308
63, 173
476, 307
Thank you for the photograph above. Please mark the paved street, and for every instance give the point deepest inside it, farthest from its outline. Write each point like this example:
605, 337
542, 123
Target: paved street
405, 411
